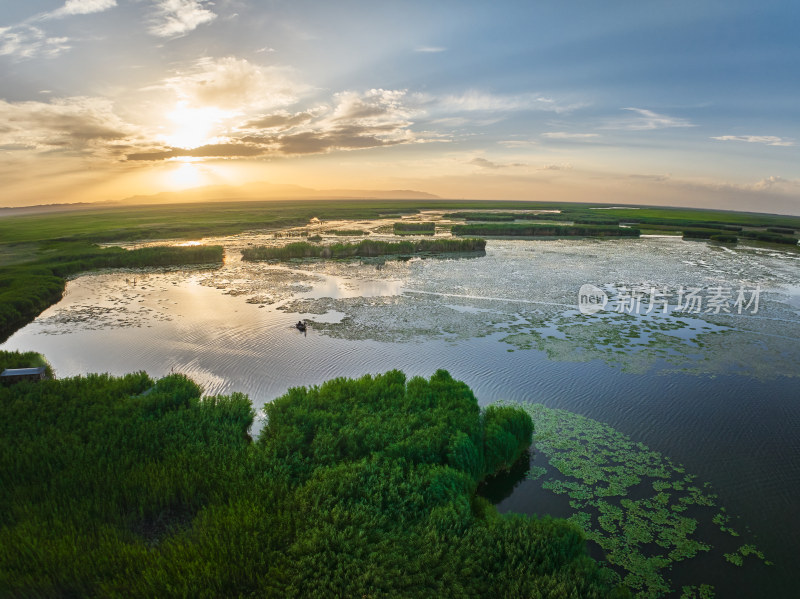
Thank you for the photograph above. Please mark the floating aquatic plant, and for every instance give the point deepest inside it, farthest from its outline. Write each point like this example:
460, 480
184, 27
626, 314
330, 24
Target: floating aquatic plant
704, 591
642, 509
737, 558
536, 472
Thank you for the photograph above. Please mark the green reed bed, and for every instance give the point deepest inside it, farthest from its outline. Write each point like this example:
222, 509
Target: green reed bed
348, 232
364, 249
27, 289
406, 228
534, 230
485, 216
129, 487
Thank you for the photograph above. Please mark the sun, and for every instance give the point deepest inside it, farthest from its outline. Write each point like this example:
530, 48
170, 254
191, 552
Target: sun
183, 173
192, 127
187, 174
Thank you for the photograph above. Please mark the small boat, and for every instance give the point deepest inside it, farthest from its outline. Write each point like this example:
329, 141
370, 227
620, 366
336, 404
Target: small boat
301, 326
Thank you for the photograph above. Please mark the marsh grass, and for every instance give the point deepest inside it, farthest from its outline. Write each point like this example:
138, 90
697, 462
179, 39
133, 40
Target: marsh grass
129, 487
534, 230
415, 228
27, 289
348, 232
366, 248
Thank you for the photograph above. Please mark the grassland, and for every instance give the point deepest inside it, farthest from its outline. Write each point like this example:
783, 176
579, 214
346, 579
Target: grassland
187, 221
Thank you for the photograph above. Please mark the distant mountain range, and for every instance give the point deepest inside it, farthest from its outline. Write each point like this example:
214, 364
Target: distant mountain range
219, 193
270, 191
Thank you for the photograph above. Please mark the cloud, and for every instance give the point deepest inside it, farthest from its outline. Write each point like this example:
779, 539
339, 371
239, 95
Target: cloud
518, 143
375, 118
475, 100
225, 150
80, 7
647, 120
375, 105
569, 136
175, 18
430, 49
769, 140
315, 142
28, 41
234, 84
773, 183
484, 163
655, 178
280, 120
76, 125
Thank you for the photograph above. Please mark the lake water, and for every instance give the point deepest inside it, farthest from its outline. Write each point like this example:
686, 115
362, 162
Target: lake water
716, 392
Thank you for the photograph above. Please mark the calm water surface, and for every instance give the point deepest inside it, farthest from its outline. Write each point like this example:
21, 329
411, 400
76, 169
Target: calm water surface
715, 392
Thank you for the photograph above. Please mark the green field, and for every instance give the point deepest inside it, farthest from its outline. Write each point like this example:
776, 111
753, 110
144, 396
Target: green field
185, 221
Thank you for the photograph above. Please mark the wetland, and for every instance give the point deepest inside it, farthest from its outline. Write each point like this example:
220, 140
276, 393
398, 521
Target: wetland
665, 429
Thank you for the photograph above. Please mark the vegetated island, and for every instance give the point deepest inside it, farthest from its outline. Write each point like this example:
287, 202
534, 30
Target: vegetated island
130, 487
535, 230
348, 232
367, 248
423, 228
715, 235
713, 225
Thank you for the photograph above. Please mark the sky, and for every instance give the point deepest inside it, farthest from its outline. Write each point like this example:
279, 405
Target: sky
689, 103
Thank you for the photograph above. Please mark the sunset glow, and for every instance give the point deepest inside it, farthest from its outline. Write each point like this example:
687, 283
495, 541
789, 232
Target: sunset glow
683, 103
